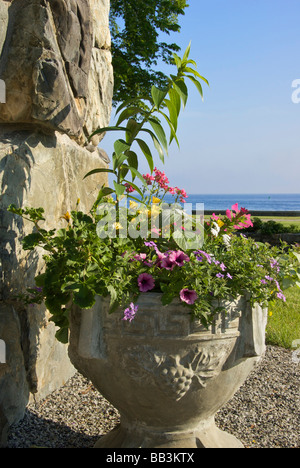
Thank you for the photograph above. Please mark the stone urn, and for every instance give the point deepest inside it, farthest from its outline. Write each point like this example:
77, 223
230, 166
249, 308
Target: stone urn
165, 373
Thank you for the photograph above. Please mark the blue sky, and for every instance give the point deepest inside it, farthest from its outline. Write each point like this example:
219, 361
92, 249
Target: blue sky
245, 136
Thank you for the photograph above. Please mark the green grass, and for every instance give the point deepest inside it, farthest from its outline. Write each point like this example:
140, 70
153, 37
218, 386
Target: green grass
284, 324
286, 221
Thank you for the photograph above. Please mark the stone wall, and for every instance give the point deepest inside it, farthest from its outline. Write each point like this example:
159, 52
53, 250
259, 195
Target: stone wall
56, 64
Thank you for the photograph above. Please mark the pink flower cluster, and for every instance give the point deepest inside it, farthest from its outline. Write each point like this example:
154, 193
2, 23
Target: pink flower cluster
167, 261
170, 259
242, 216
161, 179
129, 188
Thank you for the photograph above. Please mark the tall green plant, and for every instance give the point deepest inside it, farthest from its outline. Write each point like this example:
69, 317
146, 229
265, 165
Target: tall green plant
144, 115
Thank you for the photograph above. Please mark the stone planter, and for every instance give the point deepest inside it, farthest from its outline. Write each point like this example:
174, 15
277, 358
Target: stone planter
167, 375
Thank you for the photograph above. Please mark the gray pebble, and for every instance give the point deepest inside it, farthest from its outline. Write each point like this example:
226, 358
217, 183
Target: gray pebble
264, 413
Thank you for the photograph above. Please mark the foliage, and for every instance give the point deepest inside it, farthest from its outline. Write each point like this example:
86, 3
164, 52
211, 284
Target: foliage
80, 265
122, 252
271, 227
135, 28
144, 116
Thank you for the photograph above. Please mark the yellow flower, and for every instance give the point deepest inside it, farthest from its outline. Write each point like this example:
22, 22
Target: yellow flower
118, 226
154, 212
220, 223
67, 217
270, 314
133, 205
156, 200
78, 201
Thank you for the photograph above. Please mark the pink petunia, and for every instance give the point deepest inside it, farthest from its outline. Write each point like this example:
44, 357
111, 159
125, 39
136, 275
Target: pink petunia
229, 214
179, 257
146, 282
188, 296
235, 208
168, 263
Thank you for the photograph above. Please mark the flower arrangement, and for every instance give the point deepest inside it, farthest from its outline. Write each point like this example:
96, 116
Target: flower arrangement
123, 251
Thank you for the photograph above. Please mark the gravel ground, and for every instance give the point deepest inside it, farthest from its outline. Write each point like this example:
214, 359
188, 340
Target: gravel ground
263, 414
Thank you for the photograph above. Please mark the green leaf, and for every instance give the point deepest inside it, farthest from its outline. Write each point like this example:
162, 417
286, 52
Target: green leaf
158, 96
173, 113
113, 299
182, 90
167, 298
132, 159
136, 188
130, 103
160, 133
137, 174
31, 241
175, 100
62, 335
120, 189
187, 53
107, 129
40, 280
118, 160
130, 112
147, 153
85, 297
104, 192
156, 143
120, 147
173, 132
133, 129
97, 171
194, 72
177, 60
197, 84
297, 256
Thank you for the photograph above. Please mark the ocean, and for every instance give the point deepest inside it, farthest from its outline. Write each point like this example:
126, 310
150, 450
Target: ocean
264, 202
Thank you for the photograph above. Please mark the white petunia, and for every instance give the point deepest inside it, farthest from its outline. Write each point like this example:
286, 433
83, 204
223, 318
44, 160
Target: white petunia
215, 230
226, 240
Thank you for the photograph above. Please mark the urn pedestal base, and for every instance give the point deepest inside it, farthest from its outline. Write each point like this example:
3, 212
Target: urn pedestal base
132, 436
167, 375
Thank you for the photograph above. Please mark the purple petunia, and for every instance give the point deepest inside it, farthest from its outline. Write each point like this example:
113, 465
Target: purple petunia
167, 263
269, 278
275, 265
280, 295
179, 257
188, 296
130, 313
146, 282
153, 245
206, 255
219, 275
